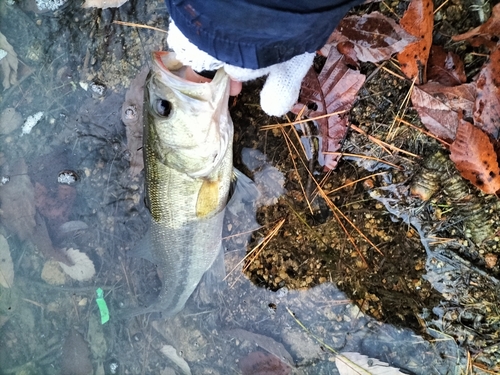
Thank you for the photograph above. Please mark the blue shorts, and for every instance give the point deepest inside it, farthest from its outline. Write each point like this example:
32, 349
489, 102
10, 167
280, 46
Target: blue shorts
257, 33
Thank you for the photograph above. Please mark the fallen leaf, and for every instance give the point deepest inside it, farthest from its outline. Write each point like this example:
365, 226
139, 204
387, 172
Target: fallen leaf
418, 20
52, 273
170, 352
439, 106
373, 37
55, 205
132, 118
475, 157
83, 268
43, 242
8, 63
487, 106
445, 67
491, 28
10, 120
352, 363
75, 359
17, 201
334, 89
6, 265
265, 342
259, 363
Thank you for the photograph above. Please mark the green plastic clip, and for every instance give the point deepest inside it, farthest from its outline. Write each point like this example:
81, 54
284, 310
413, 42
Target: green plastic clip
103, 308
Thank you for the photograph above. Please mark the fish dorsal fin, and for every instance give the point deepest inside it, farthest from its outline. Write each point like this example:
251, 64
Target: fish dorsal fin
208, 197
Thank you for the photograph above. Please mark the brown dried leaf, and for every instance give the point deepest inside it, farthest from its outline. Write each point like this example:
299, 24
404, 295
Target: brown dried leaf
10, 120
265, 342
55, 205
132, 118
418, 20
17, 202
475, 157
487, 107
8, 64
439, 106
43, 242
259, 363
333, 90
445, 68
490, 28
76, 354
374, 37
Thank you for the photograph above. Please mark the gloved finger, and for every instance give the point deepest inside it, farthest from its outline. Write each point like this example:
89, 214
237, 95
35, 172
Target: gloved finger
282, 87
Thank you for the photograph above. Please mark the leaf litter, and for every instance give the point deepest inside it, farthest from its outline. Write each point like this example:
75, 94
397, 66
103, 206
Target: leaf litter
449, 105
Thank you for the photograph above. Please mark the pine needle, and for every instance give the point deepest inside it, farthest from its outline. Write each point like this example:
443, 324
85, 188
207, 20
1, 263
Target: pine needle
354, 182
429, 134
401, 112
255, 252
131, 24
275, 126
382, 144
365, 157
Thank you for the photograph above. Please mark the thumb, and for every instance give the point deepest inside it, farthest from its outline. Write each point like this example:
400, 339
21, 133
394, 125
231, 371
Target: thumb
282, 87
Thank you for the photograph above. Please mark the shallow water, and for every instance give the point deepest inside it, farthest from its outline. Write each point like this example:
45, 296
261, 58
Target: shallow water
75, 67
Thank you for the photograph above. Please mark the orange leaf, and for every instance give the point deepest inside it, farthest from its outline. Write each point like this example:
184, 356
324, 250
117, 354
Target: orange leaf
487, 106
418, 20
475, 157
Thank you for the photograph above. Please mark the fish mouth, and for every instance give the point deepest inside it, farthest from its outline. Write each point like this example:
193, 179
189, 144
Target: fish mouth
169, 74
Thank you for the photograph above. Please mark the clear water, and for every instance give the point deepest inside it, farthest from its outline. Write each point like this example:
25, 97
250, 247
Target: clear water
60, 54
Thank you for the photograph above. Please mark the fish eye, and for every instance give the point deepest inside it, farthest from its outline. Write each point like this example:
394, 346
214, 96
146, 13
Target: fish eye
163, 107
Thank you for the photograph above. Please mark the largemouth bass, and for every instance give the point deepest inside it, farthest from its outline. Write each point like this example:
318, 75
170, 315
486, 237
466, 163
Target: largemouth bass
188, 135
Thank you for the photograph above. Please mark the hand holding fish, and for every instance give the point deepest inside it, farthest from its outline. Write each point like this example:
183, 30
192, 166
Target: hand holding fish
252, 38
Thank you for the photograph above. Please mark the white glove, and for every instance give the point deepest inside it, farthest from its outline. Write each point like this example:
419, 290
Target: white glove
281, 90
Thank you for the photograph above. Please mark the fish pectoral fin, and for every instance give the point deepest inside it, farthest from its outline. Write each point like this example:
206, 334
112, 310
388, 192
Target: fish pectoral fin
208, 197
243, 187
